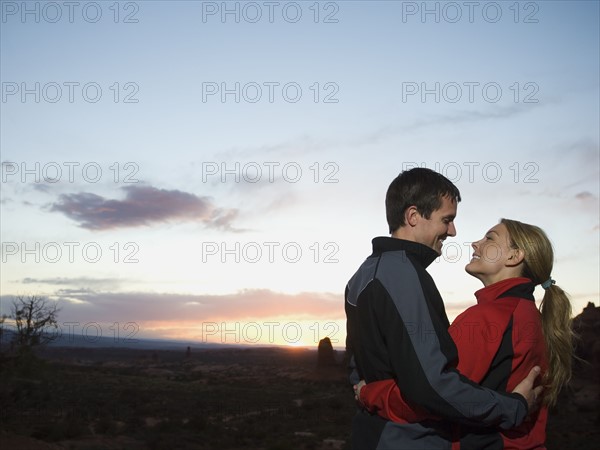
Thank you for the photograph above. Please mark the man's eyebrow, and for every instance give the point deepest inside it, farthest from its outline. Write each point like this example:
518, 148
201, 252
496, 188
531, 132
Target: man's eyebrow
449, 216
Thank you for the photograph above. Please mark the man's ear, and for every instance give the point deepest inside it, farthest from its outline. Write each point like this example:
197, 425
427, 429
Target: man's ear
516, 257
411, 216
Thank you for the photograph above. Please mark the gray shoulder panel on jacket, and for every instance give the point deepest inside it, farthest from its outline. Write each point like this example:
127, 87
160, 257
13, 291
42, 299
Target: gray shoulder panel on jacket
361, 279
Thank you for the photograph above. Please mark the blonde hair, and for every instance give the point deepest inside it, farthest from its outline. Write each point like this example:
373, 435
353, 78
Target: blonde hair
555, 307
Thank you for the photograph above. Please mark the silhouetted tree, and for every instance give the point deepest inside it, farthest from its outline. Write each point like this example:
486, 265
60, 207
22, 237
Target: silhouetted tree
35, 321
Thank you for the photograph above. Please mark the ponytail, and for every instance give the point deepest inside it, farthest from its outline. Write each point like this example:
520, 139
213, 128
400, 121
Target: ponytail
558, 334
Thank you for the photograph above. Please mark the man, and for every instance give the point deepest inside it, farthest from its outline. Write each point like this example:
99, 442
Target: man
397, 326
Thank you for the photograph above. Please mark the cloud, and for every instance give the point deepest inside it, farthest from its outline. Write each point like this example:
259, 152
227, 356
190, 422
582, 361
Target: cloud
456, 118
185, 316
86, 305
97, 283
584, 151
291, 148
588, 202
43, 187
585, 196
306, 144
142, 206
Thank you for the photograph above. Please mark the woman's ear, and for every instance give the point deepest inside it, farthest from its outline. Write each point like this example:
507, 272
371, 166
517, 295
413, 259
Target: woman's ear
516, 257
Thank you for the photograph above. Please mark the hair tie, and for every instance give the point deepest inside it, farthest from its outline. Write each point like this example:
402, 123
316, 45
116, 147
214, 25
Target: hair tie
549, 282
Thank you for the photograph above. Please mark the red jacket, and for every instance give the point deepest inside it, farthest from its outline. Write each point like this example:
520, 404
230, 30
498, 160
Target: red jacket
499, 340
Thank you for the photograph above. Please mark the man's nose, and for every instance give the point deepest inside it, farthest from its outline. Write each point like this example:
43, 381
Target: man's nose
451, 229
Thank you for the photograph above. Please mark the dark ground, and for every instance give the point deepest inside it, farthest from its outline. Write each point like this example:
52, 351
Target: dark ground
272, 399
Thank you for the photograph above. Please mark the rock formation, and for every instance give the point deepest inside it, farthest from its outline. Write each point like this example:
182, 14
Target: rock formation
326, 355
584, 389
587, 344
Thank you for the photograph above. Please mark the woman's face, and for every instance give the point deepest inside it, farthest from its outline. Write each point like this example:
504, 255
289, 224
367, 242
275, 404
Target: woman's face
493, 258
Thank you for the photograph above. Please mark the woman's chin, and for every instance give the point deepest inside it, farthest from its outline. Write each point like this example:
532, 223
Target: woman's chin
470, 269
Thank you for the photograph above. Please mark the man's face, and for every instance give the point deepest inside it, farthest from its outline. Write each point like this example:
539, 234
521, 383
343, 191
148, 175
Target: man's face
432, 232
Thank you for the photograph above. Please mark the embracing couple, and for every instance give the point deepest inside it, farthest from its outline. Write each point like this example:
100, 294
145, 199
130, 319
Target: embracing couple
487, 380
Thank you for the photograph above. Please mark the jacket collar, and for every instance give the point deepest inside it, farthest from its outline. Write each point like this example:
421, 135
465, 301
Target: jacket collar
511, 287
423, 254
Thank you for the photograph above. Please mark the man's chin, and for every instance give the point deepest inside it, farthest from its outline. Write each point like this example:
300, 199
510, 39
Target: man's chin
438, 247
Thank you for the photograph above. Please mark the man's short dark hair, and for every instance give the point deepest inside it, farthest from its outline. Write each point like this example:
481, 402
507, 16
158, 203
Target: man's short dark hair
421, 187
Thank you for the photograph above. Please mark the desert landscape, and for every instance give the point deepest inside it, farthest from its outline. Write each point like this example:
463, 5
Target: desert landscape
266, 398
224, 398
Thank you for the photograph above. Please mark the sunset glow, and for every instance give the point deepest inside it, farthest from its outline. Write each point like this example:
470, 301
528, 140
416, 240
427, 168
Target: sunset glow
186, 175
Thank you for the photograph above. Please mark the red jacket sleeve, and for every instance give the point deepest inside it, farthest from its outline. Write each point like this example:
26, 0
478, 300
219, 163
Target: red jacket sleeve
385, 399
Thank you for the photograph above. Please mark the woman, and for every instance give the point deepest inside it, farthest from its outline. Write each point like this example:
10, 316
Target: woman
502, 337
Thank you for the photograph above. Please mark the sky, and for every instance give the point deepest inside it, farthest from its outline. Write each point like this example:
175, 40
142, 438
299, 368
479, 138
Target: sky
216, 171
